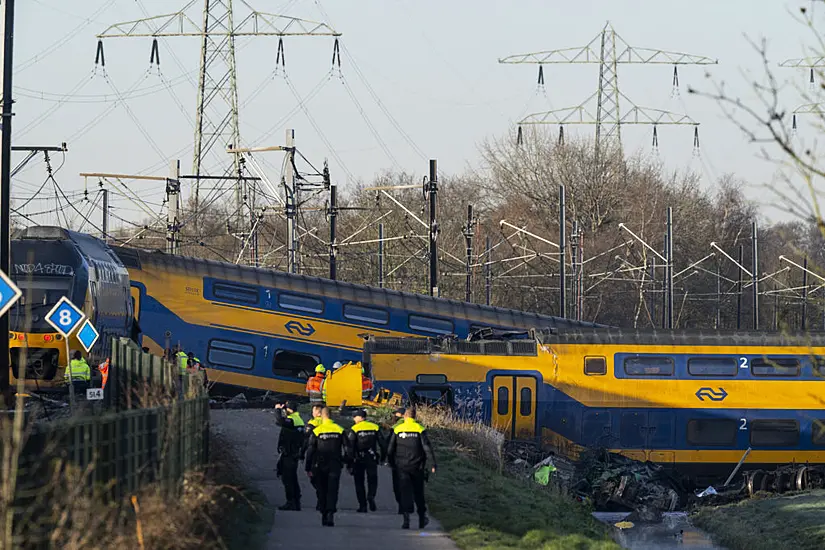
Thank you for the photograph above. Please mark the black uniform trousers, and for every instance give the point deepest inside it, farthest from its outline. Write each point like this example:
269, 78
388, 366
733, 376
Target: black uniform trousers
328, 480
365, 469
411, 489
396, 489
289, 475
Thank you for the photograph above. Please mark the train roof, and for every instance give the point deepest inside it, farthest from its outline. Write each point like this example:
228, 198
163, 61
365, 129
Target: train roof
89, 246
611, 336
362, 294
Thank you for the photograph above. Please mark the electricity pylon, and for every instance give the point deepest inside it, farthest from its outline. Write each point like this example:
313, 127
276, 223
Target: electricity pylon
806, 63
608, 50
216, 119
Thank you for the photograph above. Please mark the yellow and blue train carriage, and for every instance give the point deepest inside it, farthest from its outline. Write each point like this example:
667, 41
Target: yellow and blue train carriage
692, 401
267, 330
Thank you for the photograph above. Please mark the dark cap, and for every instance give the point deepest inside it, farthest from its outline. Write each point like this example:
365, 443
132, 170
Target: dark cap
400, 411
291, 405
360, 412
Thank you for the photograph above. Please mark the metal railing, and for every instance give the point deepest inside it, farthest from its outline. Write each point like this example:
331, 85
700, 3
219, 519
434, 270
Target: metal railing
137, 377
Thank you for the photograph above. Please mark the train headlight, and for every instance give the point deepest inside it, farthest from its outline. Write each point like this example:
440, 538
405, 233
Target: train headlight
47, 338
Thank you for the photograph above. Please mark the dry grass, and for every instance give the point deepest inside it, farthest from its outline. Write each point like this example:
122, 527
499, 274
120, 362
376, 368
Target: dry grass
475, 439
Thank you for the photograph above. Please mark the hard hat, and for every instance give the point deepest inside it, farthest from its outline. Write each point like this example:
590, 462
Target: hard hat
320, 368
336, 365
362, 369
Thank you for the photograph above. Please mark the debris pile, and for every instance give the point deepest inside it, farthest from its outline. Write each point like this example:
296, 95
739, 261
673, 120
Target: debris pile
617, 483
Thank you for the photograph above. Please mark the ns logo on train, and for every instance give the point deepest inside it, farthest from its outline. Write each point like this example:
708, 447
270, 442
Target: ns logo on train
297, 327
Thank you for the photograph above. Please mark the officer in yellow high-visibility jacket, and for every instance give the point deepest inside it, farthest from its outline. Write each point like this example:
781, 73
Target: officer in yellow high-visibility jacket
183, 362
411, 453
78, 372
366, 445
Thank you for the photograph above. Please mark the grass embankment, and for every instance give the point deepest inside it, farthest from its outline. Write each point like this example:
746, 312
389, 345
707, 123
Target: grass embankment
482, 508
790, 521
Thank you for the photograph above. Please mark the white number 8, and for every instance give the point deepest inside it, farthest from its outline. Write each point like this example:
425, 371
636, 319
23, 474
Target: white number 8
65, 317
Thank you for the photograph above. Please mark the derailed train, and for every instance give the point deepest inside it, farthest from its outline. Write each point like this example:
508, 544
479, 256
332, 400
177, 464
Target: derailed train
252, 328
47, 264
692, 401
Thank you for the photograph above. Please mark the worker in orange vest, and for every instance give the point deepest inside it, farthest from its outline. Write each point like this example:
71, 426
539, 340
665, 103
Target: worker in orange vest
366, 385
104, 372
314, 384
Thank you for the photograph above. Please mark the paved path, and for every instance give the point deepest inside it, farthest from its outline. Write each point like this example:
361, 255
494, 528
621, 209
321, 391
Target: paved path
254, 435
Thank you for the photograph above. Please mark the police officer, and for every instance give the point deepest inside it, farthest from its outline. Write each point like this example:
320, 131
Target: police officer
326, 454
409, 451
399, 418
367, 447
290, 446
313, 423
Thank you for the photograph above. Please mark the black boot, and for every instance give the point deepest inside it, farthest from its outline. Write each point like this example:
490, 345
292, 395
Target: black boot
324, 519
362, 509
289, 506
406, 524
423, 520
297, 505
330, 520
373, 507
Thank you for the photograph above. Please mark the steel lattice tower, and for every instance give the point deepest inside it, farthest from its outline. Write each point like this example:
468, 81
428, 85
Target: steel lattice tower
608, 50
216, 115
811, 63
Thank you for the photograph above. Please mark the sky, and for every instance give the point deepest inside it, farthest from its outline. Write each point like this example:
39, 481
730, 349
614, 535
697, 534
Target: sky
419, 79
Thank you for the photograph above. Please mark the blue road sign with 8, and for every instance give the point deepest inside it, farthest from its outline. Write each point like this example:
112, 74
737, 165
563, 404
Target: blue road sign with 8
65, 316
87, 335
9, 293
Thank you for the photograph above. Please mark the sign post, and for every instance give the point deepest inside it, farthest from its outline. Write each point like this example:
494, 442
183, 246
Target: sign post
65, 317
87, 335
9, 294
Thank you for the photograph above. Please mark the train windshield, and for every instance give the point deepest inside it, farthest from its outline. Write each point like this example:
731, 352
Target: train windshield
40, 294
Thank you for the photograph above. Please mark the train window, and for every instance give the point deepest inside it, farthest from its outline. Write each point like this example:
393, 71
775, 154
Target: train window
503, 408
818, 366
301, 303
234, 291
712, 432
818, 432
595, 366
648, 365
526, 404
775, 366
292, 364
233, 355
425, 379
367, 314
774, 433
712, 366
431, 324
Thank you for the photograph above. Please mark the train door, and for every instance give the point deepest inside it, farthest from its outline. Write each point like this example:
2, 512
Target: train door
514, 406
